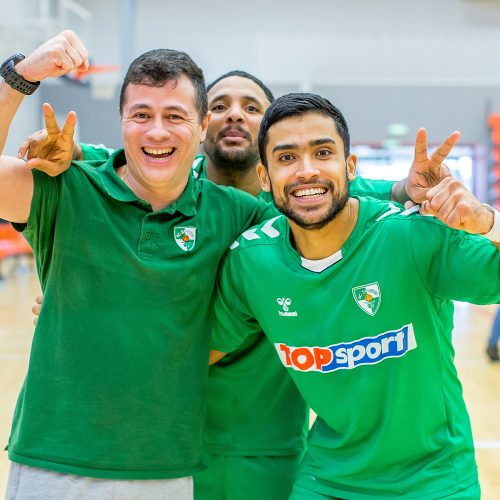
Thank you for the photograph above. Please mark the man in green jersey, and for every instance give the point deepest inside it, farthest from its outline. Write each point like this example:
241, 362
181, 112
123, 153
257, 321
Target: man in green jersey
355, 296
127, 254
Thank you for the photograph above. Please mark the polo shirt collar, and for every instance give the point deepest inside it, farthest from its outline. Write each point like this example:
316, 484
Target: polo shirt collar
117, 189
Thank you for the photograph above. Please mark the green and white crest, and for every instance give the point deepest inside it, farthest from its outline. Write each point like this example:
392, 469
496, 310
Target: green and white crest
368, 297
185, 237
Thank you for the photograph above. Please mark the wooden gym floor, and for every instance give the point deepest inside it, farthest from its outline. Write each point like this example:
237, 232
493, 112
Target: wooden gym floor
480, 377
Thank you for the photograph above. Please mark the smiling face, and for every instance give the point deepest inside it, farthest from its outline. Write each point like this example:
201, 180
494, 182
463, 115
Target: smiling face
161, 133
308, 173
237, 105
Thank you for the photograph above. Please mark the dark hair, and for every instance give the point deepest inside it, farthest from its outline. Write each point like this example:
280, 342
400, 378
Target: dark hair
248, 76
157, 67
298, 104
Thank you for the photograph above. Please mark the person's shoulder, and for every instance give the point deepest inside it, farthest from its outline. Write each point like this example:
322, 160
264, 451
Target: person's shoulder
381, 213
390, 217
94, 167
226, 194
198, 168
268, 233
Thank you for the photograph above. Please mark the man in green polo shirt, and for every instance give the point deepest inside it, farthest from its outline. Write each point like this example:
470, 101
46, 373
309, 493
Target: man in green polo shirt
127, 255
354, 296
253, 440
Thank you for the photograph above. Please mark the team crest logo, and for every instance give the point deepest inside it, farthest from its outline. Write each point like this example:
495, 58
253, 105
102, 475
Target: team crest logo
185, 237
368, 297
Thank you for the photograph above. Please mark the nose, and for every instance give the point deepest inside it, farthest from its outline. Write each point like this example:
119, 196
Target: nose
235, 114
159, 130
307, 169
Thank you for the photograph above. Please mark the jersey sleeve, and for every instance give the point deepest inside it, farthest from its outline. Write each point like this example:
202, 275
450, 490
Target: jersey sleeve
93, 152
233, 321
39, 229
379, 189
453, 264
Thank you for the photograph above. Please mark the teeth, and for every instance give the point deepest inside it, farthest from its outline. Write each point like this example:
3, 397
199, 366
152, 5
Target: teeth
156, 152
309, 192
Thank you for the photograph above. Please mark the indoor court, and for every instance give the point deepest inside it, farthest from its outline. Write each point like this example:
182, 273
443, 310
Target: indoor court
480, 377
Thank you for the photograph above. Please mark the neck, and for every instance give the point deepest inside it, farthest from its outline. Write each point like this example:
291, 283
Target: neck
246, 180
158, 196
321, 243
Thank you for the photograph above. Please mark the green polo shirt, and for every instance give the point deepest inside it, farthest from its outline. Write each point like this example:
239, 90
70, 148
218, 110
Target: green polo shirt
117, 377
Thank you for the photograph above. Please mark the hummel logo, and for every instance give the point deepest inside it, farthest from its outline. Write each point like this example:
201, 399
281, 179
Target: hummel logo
285, 304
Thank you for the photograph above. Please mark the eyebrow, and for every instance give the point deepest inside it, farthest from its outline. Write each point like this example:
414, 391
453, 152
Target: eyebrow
227, 96
147, 106
316, 142
323, 140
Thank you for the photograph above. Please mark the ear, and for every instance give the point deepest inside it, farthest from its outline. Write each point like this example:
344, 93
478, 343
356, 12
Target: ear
263, 177
204, 126
351, 167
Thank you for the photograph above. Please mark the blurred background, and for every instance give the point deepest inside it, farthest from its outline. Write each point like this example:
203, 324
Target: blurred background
391, 66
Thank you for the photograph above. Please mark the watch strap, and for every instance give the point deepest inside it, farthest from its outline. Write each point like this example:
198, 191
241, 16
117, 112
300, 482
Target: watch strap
14, 79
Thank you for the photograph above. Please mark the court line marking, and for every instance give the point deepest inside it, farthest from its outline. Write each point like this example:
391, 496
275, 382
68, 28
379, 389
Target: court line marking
482, 444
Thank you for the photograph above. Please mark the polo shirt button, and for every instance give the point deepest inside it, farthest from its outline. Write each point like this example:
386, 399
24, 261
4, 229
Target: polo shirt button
148, 236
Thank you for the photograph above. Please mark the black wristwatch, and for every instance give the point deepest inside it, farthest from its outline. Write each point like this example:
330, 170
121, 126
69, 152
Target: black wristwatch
15, 80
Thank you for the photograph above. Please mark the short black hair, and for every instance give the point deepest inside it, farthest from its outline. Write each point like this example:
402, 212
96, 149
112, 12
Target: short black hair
298, 104
248, 76
157, 67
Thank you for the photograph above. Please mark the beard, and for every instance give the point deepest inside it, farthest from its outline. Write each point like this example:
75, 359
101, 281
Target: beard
232, 159
310, 222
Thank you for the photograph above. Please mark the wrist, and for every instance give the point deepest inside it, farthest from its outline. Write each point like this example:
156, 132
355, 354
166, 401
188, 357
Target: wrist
398, 192
493, 233
22, 69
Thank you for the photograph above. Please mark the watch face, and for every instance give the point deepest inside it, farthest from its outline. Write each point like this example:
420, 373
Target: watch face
15, 59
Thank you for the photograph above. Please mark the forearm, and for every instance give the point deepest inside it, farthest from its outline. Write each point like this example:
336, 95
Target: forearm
10, 100
77, 152
398, 192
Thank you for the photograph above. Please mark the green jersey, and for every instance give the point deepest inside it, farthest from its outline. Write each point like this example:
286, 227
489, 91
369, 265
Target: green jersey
116, 385
367, 340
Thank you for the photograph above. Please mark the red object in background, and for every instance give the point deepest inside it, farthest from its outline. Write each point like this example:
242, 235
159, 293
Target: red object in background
494, 124
12, 242
80, 76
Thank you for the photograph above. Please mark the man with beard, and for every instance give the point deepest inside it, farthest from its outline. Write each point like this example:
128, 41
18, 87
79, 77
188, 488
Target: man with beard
256, 420
354, 295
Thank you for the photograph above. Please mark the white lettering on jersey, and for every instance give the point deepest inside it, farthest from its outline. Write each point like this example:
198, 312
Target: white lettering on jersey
348, 355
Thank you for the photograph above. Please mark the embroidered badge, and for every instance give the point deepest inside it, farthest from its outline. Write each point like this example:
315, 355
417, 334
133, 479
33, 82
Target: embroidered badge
368, 297
185, 237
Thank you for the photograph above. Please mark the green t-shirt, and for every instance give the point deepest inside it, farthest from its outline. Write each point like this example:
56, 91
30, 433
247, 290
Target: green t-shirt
116, 385
368, 343
249, 389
